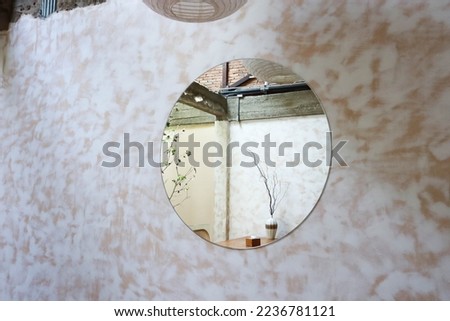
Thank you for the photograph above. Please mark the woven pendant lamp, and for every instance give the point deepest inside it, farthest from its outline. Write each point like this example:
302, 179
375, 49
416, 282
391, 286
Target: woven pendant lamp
195, 10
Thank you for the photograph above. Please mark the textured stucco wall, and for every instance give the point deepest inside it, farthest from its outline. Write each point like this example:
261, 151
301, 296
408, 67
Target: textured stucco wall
70, 229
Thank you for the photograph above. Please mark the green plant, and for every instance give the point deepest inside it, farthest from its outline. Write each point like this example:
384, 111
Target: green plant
176, 172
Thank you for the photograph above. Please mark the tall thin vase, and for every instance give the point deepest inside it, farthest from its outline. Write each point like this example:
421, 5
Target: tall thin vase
271, 228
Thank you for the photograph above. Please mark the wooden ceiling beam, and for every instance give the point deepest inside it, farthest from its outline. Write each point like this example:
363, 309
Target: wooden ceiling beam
202, 98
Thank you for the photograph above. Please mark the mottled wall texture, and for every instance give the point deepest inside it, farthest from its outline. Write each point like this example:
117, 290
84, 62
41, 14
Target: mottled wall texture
72, 229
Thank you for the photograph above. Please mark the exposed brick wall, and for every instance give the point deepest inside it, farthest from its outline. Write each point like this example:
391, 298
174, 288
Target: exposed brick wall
212, 79
236, 71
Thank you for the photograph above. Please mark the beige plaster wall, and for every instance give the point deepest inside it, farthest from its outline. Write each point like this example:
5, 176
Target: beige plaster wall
71, 229
299, 185
195, 206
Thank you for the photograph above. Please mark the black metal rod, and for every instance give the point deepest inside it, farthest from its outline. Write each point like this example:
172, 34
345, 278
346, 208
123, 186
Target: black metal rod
263, 90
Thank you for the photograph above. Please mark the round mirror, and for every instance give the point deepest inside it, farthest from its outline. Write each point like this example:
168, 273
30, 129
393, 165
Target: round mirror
245, 153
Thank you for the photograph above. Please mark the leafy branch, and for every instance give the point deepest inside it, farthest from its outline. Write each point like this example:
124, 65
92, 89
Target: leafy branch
183, 174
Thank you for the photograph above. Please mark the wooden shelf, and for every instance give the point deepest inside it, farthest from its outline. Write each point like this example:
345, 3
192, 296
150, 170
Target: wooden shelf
239, 243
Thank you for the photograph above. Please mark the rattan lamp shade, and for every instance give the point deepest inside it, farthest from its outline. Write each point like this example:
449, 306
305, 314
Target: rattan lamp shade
270, 72
195, 10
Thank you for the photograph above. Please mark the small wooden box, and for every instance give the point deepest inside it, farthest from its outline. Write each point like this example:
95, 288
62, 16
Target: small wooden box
252, 241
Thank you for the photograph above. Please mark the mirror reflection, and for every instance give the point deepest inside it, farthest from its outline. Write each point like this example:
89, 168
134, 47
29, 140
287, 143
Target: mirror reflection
245, 153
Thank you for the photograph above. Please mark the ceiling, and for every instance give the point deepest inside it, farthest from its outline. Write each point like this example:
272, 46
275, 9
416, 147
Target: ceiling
11, 10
